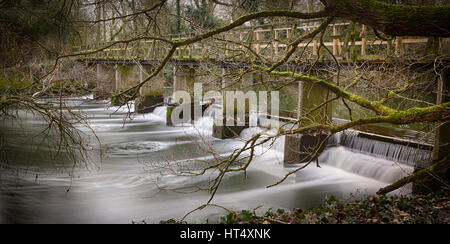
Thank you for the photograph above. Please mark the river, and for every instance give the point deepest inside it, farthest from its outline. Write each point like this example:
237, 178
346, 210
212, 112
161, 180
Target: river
131, 182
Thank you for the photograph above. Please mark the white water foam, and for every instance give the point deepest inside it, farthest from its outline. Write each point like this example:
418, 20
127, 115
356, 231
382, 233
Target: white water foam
160, 111
364, 165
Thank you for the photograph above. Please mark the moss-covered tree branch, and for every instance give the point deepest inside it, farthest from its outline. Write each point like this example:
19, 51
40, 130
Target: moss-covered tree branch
394, 19
341, 92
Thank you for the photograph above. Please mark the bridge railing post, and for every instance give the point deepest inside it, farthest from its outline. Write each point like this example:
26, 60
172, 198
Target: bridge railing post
277, 44
363, 40
315, 47
258, 44
335, 41
399, 46
241, 39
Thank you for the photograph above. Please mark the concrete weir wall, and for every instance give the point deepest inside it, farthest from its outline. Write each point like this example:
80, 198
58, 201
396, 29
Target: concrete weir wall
112, 78
225, 131
127, 76
300, 148
183, 80
106, 74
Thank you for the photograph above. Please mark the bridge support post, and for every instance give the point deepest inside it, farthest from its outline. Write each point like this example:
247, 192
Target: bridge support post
105, 81
299, 148
277, 44
225, 131
126, 76
183, 80
116, 77
141, 77
151, 93
441, 144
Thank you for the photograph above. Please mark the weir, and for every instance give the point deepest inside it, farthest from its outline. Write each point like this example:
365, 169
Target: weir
300, 148
297, 148
230, 128
401, 151
127, 70
350, 151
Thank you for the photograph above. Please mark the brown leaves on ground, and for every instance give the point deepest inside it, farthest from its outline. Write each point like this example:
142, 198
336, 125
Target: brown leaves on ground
431, 209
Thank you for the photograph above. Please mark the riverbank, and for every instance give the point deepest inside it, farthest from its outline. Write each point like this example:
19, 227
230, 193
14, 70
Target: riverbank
431, 209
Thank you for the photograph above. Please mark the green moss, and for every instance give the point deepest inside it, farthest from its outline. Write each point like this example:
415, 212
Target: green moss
416, 113
397, 11
14, 78
125, 69
376, 106
414, 209
169, 111
153, 94
124, 96
181, 58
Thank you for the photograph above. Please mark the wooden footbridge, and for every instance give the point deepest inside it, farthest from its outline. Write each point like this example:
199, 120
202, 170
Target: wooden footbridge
348, 42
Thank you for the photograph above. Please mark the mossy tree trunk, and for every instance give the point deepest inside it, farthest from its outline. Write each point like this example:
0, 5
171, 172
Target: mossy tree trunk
394, 19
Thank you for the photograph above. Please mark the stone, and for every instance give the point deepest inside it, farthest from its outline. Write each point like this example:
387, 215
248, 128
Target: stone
299, 148
148, 104
227, 132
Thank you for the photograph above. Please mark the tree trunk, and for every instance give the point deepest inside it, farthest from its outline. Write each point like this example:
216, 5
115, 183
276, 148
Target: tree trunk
440, 176
99, 31
394, 19
104, 23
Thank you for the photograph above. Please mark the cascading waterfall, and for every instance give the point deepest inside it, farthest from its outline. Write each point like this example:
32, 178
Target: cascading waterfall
160, 111
129, 107
382, 161
205, 125
392, 151
380, 169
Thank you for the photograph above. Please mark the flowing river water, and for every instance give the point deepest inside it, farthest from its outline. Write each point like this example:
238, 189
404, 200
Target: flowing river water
133, 181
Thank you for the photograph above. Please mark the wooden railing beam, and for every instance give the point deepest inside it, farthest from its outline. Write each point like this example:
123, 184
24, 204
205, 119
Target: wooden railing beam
280, 37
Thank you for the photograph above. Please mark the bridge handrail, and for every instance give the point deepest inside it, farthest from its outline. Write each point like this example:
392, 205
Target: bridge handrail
254, 36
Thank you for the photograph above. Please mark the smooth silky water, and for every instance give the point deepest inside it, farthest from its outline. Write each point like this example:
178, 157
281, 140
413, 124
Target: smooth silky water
131, 182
